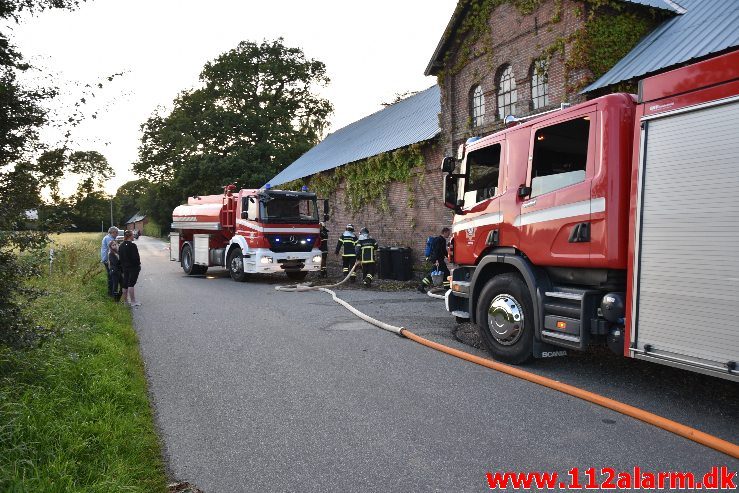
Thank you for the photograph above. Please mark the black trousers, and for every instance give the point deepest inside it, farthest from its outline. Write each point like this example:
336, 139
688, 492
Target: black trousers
111, 288
324, 260
369, 271
349, 261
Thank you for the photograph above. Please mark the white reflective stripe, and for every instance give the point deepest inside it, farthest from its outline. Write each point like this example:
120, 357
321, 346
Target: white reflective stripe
185, 218
196, 225
262, 229
476, 222
574, 209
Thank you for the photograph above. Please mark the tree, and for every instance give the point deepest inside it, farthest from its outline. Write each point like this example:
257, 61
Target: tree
255, 113
21, 115
128, 199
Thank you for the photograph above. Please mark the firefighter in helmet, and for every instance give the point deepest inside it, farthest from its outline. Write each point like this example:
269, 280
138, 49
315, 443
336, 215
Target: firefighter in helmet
347, 242
324, 249
366, 251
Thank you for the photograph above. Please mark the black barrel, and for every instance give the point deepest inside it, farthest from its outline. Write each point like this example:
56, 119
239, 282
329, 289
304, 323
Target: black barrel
401, 263
386, 263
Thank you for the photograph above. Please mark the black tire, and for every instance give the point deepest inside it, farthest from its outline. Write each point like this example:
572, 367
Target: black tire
296, 275
461, 320
187, 260
505, 319
235, 265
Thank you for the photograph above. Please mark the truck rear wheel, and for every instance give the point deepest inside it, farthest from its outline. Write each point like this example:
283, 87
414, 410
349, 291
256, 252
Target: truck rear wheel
235, 265
296, 275
505, 318
188, 262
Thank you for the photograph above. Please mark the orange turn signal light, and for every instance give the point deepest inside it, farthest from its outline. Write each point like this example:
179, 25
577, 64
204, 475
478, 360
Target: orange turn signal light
561, 325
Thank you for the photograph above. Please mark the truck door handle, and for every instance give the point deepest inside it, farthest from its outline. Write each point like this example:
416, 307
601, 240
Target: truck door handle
580, 233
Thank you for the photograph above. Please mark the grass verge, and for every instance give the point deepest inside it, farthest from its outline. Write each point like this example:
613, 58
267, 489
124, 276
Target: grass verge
74, 411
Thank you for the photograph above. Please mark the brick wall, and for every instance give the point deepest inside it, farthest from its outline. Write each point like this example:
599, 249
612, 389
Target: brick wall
401, 225
518, 41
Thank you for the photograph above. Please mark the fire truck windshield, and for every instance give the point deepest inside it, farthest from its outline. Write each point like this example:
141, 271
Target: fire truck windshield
280, 209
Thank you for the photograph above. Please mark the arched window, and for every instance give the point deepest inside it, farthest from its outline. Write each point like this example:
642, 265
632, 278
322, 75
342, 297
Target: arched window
477, 106
539, 85
506, 93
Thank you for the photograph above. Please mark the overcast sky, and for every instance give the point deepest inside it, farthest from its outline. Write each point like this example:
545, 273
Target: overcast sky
372, 50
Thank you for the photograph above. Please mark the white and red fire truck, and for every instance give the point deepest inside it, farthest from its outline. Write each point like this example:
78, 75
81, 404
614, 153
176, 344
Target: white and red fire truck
250, 231
614, 222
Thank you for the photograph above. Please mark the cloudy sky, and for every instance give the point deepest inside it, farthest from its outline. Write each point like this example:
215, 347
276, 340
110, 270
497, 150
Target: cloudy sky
372, 50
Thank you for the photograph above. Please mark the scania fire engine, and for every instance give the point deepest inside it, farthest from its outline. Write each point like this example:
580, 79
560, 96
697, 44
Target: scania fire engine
249, 231
613, 222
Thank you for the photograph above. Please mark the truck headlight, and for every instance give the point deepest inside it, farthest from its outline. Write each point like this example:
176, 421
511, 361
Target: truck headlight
266, 260
317, 259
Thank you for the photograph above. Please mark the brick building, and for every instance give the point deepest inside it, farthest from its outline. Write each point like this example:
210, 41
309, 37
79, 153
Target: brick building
506, 57
382, 172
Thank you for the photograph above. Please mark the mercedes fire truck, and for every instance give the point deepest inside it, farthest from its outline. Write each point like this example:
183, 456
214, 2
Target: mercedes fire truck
612, 222
248, 232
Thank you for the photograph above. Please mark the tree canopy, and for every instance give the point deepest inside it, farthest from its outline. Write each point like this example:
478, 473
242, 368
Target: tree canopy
255, 113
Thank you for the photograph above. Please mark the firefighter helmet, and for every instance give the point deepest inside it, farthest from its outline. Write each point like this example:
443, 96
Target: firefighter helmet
350, 227
364, 231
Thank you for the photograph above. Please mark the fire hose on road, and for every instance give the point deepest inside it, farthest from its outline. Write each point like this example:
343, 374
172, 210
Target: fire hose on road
684, 431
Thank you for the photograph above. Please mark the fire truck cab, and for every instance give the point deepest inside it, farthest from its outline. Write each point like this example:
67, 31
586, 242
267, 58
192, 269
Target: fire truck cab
251, 231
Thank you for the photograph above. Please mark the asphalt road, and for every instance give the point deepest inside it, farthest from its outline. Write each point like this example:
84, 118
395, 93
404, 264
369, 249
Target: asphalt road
256, 390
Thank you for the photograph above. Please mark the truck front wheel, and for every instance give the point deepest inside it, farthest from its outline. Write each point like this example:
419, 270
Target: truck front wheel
188, 262
235, 264
505, 318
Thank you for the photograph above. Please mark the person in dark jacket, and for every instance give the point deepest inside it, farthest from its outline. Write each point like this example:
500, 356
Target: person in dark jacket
437, 259
128, 253
366, 252
114, 270
348, 241
324, 249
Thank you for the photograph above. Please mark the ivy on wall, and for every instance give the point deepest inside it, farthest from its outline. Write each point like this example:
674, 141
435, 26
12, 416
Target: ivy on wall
367, 181
609, 32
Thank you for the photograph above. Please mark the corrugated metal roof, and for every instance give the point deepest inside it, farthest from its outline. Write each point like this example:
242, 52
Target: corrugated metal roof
136, 218
670, 5
706, 26
410, 121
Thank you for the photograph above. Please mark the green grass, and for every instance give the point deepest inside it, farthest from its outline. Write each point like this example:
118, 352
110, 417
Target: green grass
74, 412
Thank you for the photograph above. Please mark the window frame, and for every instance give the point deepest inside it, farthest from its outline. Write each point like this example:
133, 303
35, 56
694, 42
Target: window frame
539, 81
589, 113
463, 191
477, 119
510, 94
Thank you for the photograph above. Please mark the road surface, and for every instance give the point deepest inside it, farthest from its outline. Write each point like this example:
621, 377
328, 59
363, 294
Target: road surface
259, 390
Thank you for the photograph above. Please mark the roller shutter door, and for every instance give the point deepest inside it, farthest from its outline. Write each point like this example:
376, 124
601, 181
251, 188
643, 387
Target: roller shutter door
688, 246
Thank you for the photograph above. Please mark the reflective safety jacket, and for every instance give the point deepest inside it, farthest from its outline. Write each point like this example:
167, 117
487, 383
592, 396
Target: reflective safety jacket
348, 241
366, 250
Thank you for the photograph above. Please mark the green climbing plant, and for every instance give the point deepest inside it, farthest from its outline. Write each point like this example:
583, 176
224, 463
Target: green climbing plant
366, 181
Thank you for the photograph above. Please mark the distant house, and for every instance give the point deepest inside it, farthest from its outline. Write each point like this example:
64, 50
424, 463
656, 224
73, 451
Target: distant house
136, 223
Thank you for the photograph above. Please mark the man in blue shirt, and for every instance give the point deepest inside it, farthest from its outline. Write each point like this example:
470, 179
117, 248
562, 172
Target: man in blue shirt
111, 236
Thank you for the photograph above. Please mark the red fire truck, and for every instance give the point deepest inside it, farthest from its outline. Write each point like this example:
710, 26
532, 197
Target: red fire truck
250, 231
612, 222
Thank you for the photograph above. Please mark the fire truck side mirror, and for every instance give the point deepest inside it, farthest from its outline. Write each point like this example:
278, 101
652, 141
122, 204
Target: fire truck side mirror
244, 215
325, 210
450, 192
524, 191
447, 165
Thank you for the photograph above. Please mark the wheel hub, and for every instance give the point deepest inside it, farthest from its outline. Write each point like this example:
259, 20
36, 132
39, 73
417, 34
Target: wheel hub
505, 319
236, 264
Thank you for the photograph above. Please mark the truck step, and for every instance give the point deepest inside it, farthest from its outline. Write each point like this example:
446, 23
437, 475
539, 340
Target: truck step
571, 311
